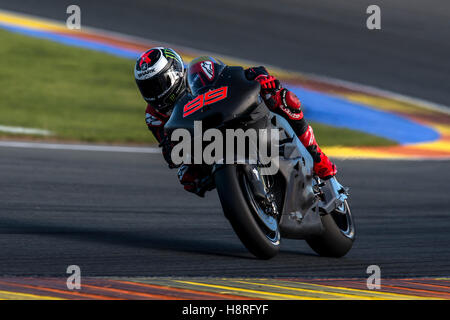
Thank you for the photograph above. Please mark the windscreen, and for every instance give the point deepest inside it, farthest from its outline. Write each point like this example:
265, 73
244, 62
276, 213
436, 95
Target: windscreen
202, 73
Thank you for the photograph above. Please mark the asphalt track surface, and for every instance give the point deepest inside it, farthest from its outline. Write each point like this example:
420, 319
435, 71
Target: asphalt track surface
117, 214
124, 214
409, 55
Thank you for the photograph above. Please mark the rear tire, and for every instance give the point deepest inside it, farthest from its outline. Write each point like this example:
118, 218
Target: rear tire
240, 214
336, 240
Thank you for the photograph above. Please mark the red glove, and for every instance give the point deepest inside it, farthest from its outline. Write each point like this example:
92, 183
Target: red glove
268, 83
275, 96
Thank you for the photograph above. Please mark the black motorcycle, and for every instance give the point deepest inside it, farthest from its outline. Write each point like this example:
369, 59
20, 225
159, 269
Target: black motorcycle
263, 208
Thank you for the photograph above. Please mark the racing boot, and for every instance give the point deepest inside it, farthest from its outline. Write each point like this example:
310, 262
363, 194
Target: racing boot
323, 167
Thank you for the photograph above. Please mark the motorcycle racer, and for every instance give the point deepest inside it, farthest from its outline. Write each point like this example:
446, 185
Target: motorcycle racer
161, 78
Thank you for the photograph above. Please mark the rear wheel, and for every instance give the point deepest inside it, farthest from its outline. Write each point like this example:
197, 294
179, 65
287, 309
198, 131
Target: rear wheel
256, 228
339, 234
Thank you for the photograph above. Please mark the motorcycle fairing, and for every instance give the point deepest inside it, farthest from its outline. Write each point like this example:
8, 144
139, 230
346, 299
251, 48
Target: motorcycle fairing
300, 215
242, 98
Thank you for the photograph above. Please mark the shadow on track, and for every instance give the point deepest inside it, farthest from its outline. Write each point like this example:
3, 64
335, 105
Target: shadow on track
159, 241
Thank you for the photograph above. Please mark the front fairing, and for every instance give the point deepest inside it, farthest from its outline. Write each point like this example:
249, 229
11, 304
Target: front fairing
242, 98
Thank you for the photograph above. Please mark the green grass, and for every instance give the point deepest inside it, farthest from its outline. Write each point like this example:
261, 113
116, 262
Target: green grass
78, 94
331, 136
85, 95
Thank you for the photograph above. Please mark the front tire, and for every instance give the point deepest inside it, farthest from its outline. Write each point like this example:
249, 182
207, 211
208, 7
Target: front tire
338, 236
260, 241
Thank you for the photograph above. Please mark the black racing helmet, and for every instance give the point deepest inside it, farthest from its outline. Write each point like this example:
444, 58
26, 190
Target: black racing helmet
159, 74
202, 73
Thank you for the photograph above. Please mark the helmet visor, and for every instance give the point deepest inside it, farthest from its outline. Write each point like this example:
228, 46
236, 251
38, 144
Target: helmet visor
155, 88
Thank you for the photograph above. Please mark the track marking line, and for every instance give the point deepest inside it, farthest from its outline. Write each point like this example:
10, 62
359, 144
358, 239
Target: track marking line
431, 285
70, 293
264, 293
20, 296
183, 290
23, 130
78, 147
444, 295
396, 295
402, 285
134, 293
320, 292
333, 152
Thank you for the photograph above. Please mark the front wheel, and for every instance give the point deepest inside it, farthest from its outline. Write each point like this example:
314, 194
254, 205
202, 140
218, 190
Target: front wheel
257, 230
339, 233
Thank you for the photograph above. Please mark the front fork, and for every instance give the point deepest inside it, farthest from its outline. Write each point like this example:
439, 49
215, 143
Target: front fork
332, 194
